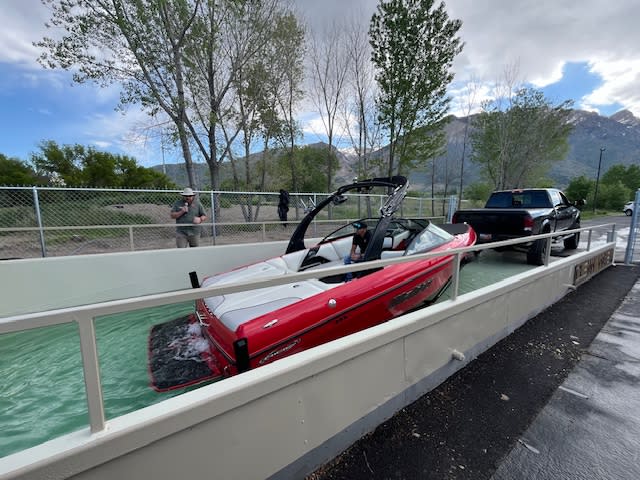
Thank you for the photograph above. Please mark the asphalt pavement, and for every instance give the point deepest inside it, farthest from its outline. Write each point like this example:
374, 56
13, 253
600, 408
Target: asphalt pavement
557, 399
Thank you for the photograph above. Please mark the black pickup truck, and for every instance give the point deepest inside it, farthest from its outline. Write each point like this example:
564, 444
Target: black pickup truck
512, 214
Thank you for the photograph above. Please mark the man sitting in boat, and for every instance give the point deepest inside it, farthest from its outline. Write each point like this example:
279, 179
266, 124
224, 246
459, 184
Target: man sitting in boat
359, 243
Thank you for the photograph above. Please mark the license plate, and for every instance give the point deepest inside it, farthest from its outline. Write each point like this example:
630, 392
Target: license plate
485, 236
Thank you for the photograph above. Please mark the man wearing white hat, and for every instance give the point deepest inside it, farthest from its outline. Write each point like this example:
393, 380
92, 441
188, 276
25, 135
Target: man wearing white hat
188, 216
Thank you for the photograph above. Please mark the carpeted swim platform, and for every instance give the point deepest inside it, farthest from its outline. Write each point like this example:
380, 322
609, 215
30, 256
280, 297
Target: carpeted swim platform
179, 355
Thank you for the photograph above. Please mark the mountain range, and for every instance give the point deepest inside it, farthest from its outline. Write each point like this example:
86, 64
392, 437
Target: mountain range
618, 135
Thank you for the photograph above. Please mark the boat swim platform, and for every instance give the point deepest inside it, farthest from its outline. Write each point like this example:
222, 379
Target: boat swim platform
294, 415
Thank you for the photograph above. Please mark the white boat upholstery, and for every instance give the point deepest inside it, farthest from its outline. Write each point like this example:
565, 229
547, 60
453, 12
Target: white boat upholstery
293, 260
398, 238
237, 308
391, 254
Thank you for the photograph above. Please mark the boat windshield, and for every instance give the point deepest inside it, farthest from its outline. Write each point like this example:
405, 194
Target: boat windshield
428, 239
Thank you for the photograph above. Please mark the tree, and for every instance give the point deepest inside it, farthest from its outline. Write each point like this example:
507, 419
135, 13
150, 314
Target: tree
309, 162
267, 90
516, 145
360, 111
478, 191
580, 188
15, 172
65, 161
329, 66
413, 48
627, 176
180, 57
85, 166
612, 196
470, 102
287, 58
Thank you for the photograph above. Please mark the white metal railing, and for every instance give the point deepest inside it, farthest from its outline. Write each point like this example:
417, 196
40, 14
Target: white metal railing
85, 315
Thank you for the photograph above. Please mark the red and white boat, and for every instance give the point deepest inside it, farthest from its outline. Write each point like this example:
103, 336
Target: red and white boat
232, 333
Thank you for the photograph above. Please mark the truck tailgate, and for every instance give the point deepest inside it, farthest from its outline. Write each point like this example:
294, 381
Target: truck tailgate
495, 224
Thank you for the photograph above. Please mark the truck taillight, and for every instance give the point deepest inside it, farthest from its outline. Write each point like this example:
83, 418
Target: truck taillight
454, 219
528, 223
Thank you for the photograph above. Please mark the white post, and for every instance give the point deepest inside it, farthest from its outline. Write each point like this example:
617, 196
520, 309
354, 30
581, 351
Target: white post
89, 352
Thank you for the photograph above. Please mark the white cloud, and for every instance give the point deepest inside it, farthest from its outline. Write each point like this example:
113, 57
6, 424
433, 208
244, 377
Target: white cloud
621, 84
542, 36
23, 22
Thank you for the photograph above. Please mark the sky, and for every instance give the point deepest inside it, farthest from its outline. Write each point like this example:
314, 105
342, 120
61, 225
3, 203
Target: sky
581, 50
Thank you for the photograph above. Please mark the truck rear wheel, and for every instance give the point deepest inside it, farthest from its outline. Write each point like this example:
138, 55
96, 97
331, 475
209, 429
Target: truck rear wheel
537, 252
572, 242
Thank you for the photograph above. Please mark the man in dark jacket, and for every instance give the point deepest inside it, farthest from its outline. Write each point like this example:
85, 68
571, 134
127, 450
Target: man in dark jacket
359, 243
283, 206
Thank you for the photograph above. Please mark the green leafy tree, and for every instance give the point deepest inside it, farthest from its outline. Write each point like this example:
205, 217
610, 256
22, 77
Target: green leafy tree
478, 191
99, 169
515, 146
84, 166
413, 45
65, 161
15, 172
580, 188
612, 196
132, 175
629, 176
310, 165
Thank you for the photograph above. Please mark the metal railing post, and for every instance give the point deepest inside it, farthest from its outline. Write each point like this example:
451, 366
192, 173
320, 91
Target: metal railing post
589, 239
455, 277
91, 369
264, 232
36, 205
547, 253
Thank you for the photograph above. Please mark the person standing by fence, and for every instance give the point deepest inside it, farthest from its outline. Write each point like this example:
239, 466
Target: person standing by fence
283, 206
188, 214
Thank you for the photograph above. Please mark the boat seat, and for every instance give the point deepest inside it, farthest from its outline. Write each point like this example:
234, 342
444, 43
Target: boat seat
293, 260
342, 247
399, 238
391, 254
333, 263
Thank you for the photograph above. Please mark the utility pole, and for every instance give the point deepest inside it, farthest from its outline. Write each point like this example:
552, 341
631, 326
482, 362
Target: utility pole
595, 197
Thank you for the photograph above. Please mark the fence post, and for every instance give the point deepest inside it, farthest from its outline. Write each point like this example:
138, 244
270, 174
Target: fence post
213, 218
131, 245
36, 205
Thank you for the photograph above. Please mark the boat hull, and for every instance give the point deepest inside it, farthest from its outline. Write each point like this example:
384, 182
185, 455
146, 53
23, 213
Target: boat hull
334, 313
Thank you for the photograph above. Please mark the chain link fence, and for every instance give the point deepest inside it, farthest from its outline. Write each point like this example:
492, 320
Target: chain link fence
47, 221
